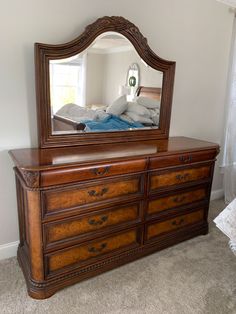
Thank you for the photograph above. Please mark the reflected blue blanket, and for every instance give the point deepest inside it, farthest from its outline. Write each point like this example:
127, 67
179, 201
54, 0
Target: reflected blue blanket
111, 123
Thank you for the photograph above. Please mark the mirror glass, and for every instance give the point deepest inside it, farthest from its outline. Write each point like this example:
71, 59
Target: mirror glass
106, 87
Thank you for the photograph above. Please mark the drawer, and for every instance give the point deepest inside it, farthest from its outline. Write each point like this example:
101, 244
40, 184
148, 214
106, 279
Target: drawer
181, 159
159, 228
78, 255
75, 174
83, 225
61, 199
164, 179
160, 204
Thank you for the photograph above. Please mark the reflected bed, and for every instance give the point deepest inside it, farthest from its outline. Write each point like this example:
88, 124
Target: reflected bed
88, 120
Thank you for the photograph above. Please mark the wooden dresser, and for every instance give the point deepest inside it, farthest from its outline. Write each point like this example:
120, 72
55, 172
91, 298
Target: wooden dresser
85, 210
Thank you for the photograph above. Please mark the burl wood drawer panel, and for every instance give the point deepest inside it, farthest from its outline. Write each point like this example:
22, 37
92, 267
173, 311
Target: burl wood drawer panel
164, 179
76, 255
67, 198
182, 198
181, 159
75, 174
158, 228
70, 228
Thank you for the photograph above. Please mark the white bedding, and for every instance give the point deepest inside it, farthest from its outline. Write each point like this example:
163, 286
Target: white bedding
128, 111
80, 114
226, 222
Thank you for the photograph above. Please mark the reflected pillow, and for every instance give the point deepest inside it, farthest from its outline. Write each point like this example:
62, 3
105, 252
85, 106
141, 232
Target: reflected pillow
118, 106
148, 102
125, 117
136, 118
138, 109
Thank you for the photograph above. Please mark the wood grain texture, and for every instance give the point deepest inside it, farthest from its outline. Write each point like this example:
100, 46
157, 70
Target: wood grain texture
34, 159
97, 248
59, 199
45, 52
76, 222
159, 228
182, 198
47, 288
77, 174
181, 159
77, 226
67, 187
160, 180
35, 235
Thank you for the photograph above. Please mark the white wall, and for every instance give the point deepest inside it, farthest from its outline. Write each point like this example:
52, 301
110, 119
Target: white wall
194, 33
116, 68
94, 78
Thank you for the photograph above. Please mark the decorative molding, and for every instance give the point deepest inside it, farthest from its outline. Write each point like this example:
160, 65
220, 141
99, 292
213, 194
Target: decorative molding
46, 52
217, 194
31, 178
8, 250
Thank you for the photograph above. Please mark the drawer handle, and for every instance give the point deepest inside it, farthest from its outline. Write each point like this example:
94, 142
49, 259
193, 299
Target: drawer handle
94, 249
94, 222
185, 158
99, 193
181, 177
178, 223
179, 199
100, 171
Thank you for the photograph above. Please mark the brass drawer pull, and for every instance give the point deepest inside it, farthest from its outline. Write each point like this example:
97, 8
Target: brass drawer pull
99, 193
94, 222
185, 158
178, 223
100, 171
182, 176
179, 199
93, 249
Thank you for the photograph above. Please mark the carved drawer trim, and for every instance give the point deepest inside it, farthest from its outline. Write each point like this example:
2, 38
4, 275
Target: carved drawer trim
159, 228
90, 225
77, 198
173, 177
86, 253
168, 202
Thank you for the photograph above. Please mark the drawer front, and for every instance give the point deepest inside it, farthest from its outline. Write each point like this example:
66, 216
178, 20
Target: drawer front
75, 174
70, 228
169, 178
176, 200
76, 255
181, 159
158, 228
62, 199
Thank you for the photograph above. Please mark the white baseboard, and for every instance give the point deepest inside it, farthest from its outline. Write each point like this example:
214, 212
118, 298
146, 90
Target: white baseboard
217, 194
8, 250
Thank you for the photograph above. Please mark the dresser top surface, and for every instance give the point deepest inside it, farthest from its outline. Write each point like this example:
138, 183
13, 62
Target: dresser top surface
40, 159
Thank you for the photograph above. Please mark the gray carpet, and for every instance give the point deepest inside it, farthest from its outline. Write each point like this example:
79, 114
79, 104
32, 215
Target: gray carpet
197, 276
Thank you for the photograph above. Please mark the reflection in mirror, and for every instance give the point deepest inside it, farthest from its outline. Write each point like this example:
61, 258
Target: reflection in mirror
107, 87
132, 82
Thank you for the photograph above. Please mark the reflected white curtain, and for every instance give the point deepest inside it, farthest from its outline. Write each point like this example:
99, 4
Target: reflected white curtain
229, 159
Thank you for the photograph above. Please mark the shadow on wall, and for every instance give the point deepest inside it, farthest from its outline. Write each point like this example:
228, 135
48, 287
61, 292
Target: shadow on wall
31, 94
8, 209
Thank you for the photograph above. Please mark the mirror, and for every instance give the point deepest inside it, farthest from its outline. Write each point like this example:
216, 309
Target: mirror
107, 85
96, 90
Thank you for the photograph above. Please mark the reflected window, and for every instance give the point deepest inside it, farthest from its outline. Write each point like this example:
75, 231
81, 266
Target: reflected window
67, 82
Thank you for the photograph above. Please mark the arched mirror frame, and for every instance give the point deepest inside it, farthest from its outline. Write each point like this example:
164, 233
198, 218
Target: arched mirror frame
45, 52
